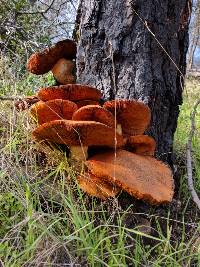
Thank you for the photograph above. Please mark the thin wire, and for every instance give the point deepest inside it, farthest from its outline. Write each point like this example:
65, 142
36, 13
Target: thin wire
159, 43
162, 47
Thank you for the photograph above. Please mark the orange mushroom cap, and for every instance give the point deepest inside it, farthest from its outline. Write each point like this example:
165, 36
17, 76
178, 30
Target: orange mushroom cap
63, 71
142, 177
94, 113
83, 103
134, 116
42, 62
95, 186
73, 92
53, 110
79, 133
141, 144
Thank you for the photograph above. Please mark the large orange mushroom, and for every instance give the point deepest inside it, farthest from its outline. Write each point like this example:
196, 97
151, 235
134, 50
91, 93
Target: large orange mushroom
142, 177
72, 92
141, 144
94, 113
42, 62
53, 110
133, 117
78, 135
95, 186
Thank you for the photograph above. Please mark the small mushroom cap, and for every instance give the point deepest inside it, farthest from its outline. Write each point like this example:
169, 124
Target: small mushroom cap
53, 110
141, 144
95, 186
94, 113
72, 92
77, 133
42, 62
83, 103
142, 177
25, 103
63, 71
134, 116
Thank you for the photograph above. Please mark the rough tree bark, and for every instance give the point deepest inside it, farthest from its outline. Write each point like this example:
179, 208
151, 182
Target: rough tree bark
143, 70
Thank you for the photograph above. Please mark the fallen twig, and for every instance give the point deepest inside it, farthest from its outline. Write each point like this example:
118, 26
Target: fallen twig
189, 156
10, 98
20, 102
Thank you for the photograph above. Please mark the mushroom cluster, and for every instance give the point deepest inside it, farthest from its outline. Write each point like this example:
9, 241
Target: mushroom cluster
109, 139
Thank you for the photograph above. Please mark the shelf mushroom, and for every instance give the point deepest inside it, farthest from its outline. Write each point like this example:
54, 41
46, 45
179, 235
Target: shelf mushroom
141, 144
95, 186
78, 135
72, 92
142, 177
94, 113
53, 110
42, 62
133, 117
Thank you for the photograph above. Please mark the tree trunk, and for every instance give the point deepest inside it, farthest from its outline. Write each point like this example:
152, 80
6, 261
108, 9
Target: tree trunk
143, 70
192, 50
194, 35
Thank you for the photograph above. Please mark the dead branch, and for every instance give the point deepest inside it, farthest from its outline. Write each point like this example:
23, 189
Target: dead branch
42, 12
189, 156
10, 98
21, 103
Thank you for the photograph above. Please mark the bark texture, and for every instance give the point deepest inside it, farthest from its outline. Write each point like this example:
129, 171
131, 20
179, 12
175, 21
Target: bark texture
143, 70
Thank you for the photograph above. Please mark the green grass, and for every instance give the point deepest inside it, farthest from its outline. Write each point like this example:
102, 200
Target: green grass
191, 95
45, 219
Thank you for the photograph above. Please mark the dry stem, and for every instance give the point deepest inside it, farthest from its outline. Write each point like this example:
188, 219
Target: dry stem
189, 156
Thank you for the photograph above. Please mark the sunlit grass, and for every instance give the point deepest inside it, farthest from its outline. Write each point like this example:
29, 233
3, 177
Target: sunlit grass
190, 97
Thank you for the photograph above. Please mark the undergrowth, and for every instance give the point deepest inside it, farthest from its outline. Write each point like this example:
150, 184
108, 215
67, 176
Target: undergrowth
45, 220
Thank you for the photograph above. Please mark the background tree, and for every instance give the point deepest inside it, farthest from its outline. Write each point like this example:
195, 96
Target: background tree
144, 44
194, 34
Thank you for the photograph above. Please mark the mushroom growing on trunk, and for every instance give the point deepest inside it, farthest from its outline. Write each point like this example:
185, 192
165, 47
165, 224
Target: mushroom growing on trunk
53, 110
94, 113
133, 117
142, 177
78, 135
42, 62
141, 144
95, 186
72, 92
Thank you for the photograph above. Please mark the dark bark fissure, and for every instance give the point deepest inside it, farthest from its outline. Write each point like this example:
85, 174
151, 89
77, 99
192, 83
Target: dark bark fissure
143, 70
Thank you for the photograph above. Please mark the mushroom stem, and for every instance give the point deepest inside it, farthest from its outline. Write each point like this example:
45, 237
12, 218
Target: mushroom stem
79, 152
119, 129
